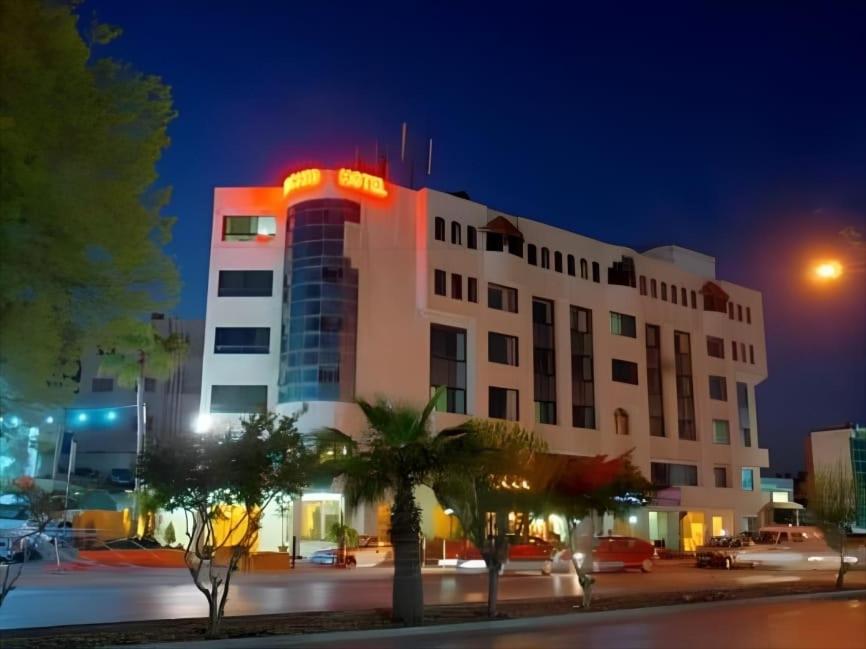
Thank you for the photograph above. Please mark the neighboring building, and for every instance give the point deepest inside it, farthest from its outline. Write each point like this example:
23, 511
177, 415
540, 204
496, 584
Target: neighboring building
778, 490
339, 285
841, 447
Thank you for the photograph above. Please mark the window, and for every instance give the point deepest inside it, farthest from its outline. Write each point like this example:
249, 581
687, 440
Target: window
620, 421
471, 237
740, 312
584, 269
721, 431
545, 258
743, 351
149, 384
570, 265
242, 340
718, 388
502, 298
503, 404
515, 246
664, 291
664, 474
752, 354
495, 242
236, 399
102, 384
715, 347
720, 476
456, 233
544, 361
596, 272
694, 297
748, 315
532, 254
734, 350
448, 367
439, 280
439, 228
501, 348
744, 414
731, 310
456, 286
642, 284
654, 288
557, 261
747, 480
622, 273
684, 293
673, 294
247, 228
623, 325
582, 380
624, 371
685, 393
472, 289
245, 283
654, 380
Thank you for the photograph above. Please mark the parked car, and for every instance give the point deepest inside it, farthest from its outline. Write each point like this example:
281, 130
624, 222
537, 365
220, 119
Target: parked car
718, 550
370, 552
531, 553
795, 547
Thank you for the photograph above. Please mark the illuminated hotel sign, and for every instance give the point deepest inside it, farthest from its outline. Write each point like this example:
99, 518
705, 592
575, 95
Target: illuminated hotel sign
299, 179
366, 183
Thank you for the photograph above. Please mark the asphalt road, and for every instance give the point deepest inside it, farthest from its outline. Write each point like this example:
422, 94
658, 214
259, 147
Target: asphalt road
114, 595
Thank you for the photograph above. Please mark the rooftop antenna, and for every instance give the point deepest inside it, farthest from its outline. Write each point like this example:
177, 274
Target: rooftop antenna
429, 156
403, 143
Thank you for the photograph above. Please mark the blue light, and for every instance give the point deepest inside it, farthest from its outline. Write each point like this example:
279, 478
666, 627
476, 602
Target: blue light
111, 415
14, 421
82, 416
49, 419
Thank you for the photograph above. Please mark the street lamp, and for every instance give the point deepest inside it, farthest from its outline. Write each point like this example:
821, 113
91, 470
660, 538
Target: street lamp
828, 270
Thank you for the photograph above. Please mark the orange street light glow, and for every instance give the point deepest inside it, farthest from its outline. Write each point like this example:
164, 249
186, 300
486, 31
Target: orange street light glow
828, 270
299, 179
367, 183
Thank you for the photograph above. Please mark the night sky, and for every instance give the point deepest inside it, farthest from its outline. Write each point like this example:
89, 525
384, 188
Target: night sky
736, 130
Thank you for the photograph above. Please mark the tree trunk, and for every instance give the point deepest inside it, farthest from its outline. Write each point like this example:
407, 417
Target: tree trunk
408, 593
492, 588
843, 567
139, 442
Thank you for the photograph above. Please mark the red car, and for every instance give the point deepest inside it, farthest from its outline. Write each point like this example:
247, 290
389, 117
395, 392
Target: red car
531, 553
622, 553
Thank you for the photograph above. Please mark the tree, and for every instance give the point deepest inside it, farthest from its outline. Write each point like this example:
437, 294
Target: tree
399, 453
170, 535
81, 225
344, 536
832, 501
139, 350
224, 484
484, 480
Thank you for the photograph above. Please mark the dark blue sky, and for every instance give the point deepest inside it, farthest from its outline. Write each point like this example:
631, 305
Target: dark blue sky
733, 129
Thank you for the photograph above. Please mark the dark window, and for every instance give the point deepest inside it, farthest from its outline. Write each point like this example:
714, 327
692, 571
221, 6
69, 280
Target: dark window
242, 340
502, 298
544, 360
472, 289
456, 233
734, 350
748, 315
545, 258
503, 404
532, 254
718, 388
456, 286
664, 291
743, 352
439, 228
501, 348
247, 228
448, 367
685, 392
570, 265
664, 474
149, 384
731, 310
740, 312
439, 280
245, 283
642, 284
720, 476
743, 412
100, 384
752, 354
242, 399
495, 241
654, 380
557, 261
715, 347
515, 246
685, 296
584, 269
694, 300
623, 325
673, 294
582, 379
622, 273
596, 272
654, 288
471, 237
624, 371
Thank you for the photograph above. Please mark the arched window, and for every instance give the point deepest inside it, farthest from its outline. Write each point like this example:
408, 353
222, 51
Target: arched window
471, 237
596, 272
455, 233
570, 264
532, 254
557, 261
584, 269
439, 228
673, 293
694, 300
664, 291
684, 293
620, 421
642, 284
654, 288
545, 258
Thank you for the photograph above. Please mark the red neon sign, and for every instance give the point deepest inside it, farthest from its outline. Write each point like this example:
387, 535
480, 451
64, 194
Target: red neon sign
300, 179
366, 183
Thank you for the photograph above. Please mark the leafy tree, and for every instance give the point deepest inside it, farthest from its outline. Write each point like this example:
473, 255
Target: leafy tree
832, 501
344, 536
217, 477
399, 454
81, 225
483, 482
170, 535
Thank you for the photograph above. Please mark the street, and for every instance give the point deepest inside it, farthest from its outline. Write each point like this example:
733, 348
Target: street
100, 596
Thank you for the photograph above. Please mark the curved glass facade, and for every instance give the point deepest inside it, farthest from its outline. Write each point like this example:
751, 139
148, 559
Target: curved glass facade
320, 304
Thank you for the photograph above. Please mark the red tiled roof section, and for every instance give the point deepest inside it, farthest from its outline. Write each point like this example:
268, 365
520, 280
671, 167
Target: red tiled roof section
502, 225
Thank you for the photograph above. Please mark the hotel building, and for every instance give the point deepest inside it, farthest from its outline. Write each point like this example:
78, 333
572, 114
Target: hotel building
339, 285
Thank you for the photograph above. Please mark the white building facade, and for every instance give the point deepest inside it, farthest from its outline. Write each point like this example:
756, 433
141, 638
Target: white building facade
339, 286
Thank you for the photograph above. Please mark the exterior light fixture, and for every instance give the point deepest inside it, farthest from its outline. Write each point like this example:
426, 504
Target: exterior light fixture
49, 419
448, 511
82, 417
828, 270
632, 519
111, 415
203, 423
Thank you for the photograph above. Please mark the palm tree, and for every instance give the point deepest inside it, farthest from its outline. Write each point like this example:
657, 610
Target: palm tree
398, 455
137, 352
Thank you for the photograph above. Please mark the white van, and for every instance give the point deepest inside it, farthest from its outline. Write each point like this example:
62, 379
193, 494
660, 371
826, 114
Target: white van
795, 547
